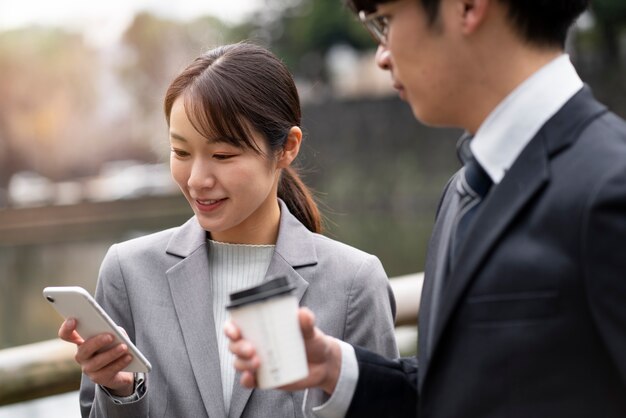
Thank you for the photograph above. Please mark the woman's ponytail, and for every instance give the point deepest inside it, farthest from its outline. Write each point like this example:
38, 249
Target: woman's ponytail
299, 199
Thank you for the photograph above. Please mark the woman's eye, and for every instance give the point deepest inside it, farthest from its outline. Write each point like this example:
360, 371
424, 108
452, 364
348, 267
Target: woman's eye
180, 153
223, 156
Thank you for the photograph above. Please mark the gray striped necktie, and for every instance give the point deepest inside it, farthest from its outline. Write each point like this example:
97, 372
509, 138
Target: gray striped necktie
472, 186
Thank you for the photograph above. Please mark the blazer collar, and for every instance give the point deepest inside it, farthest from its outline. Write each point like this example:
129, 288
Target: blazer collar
295, 250
529, 174
294, 244
187, 238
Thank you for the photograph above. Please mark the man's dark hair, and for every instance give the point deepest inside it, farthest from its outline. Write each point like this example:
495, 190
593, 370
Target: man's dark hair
539, 22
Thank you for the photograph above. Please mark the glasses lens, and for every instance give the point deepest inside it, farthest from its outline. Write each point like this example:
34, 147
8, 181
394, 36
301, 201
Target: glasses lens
376, 25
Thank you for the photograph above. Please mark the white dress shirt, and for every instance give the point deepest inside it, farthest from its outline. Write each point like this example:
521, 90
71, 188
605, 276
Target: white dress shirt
500, 139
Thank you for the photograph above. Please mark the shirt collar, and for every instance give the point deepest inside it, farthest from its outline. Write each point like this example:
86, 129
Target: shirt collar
501, 138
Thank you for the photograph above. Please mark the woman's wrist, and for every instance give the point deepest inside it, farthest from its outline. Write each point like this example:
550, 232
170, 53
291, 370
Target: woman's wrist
124, 389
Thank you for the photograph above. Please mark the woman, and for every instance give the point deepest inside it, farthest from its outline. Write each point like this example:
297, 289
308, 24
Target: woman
233, 117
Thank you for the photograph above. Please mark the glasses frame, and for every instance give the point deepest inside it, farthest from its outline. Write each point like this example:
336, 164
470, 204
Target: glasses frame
376, 24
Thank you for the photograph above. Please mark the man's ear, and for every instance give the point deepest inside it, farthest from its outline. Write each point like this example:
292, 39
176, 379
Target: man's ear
473, 14
291, 148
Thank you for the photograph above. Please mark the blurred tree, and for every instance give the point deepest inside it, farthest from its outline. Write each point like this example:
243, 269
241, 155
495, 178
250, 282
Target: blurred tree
302, 32
157, 49
611, 19
46, 99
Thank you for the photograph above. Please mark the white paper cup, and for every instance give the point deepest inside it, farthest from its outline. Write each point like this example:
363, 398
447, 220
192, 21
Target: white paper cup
268, 317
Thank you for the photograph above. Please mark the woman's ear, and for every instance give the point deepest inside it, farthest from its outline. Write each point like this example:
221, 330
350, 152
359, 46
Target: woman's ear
291, 148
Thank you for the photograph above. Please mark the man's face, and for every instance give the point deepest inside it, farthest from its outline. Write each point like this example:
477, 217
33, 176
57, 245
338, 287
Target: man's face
424, 59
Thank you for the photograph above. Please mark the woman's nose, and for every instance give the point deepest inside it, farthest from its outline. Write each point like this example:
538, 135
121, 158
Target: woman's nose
383, 57
201, 176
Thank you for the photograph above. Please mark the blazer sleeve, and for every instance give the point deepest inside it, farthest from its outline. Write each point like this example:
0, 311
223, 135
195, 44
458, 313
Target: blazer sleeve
112, 296
386, 388
371, 310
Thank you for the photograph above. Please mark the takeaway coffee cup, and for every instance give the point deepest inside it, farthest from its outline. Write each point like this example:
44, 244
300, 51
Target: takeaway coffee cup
268, 317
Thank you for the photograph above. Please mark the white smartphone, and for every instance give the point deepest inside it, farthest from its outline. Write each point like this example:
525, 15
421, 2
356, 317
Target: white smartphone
91, 319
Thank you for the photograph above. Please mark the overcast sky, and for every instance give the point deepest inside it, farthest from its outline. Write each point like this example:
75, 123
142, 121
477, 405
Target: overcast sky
103, 20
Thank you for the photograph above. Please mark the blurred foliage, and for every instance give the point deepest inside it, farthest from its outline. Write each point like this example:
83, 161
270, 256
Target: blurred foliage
47, 101
302, 32
611, 20
159, 48
156, 49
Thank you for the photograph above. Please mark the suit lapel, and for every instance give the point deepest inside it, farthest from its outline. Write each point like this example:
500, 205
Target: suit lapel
190, 290
434, 270
527, 177
294, 249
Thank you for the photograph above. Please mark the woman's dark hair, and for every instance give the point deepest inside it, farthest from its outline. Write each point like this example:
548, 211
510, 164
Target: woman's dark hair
234, 90
539, 22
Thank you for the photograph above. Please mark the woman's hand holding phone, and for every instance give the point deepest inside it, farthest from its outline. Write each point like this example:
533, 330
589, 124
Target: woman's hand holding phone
103, 367
104, 351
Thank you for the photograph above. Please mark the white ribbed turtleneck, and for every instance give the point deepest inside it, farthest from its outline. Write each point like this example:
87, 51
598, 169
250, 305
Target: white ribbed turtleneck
233, 267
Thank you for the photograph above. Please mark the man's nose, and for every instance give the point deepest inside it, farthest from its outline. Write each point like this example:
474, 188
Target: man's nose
383, 57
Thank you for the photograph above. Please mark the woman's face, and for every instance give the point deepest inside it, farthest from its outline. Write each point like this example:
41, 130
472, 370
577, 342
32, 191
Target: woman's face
231, 190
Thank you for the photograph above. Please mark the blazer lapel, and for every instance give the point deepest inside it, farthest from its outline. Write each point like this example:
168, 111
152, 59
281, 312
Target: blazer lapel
294, 249
528, 175
190, 290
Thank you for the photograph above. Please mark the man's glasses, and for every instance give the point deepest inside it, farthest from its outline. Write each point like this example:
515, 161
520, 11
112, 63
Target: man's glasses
376, 24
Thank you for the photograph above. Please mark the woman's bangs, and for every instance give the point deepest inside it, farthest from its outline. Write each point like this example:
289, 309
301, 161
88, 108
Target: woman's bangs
216, 121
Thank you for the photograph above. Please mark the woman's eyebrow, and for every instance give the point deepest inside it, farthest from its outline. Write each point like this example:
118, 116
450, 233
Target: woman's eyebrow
179, 137
174, 135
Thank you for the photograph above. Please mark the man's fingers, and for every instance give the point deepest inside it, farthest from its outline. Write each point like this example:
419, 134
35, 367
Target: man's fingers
231, 331
247, 365
242, 349
248, 380
307, 323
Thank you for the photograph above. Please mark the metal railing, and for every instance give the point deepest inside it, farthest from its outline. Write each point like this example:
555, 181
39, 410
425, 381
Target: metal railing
48, 368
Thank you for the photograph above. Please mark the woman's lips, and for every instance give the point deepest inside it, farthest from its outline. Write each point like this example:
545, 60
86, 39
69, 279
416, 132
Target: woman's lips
207, 205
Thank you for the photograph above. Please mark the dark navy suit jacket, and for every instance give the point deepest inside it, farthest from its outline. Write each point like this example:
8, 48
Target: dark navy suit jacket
532, 320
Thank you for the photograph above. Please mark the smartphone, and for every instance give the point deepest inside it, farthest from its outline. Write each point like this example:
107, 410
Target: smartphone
75, 302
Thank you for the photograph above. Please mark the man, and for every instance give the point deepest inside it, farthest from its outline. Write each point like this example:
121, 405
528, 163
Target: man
523, 310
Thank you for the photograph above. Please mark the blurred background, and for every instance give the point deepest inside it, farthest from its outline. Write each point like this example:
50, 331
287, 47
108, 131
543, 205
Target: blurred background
84, 147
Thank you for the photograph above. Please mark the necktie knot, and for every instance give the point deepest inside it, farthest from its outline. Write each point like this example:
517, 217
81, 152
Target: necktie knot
473, 181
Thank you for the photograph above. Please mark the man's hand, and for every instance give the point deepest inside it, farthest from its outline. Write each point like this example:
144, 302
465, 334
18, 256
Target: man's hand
103, 368
322, 351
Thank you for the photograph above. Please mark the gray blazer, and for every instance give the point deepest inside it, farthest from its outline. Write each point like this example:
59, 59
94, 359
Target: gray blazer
156, 288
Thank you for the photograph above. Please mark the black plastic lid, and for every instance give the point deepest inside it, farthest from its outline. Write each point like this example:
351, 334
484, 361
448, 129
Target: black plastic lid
269, 289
